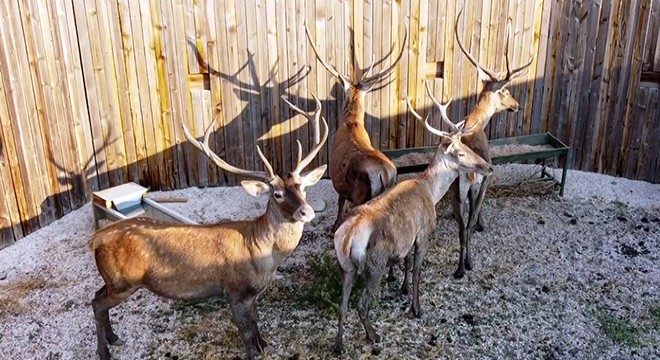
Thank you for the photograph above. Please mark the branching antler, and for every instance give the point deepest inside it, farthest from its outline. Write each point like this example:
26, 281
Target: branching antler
494, 76
204, 147
367, 81
313, 118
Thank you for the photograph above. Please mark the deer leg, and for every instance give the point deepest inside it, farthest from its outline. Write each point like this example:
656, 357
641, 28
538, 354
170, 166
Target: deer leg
420, 250
475, 217
103, 301
347, 280
391, 276
340, 207
241, 314
479, 226
458, 215
372, 282
406, 274
261, 343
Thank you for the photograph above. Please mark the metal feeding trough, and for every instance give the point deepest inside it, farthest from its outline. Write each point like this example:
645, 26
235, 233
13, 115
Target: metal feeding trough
541, 147
128, 201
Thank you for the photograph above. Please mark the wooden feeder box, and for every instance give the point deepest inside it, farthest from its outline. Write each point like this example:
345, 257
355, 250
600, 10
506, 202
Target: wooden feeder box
542, 147
129, 200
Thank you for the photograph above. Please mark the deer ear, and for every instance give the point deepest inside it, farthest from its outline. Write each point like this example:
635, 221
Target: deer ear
312, 177
254, 187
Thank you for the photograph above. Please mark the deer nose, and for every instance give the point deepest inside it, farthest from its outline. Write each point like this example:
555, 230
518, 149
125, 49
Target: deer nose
305, 213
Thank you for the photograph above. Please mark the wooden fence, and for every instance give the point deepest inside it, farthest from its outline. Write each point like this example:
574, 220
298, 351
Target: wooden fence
93, 91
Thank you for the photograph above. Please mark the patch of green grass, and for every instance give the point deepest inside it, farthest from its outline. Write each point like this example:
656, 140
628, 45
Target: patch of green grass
654, 314
621, 331
323, 292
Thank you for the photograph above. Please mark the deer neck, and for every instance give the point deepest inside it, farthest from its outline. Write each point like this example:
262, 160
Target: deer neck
439, 176
481, 114
279, 233
354, 107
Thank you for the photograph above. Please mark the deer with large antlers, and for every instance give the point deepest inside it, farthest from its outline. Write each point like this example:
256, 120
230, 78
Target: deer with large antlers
493, 98
397, 224
234, 259
358, 171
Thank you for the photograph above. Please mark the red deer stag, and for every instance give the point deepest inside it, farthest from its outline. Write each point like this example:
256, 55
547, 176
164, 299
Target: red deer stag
494, 98
234, 259
358, 171
384, 230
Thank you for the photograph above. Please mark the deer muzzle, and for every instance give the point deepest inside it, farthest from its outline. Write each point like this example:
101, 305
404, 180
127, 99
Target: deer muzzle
305, 213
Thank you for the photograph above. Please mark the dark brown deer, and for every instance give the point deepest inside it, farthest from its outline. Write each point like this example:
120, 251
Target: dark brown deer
358, 171
493, 98
233, 259
397, 224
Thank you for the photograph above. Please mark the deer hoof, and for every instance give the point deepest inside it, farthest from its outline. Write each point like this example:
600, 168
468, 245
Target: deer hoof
479, 227
338, 349
417, 312
458, 274
114, 340
404, 289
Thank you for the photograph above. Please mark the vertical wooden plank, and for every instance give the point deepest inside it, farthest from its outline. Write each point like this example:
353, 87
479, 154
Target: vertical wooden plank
14, 207
636, 41
279, 75
649, 160
64, 75
252, 79
22, 108
48, 122
214, 47
81, 127
189, 7
591, 140
273, 98
317, 23
117, 77
174, 42
421, 8
397, 113
132, 107
201, 119
87, 61
370, 49
635, 133
405, 123
536, 74
383, 35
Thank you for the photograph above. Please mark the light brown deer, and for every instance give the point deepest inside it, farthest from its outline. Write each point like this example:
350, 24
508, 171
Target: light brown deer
358, 171
384, 230
233, 259
494, 98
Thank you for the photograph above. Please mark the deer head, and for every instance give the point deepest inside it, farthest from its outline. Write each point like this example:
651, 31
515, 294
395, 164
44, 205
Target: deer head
288, 192
451, 144
367, 81
495, 83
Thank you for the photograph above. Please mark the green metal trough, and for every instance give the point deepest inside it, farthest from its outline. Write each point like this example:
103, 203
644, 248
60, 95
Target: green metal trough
559, 150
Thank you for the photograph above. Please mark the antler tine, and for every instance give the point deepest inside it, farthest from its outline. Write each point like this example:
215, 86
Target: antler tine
493, 76
506, 49
204, 147
370, 80
331, 69
371, 67
412, 110
308, 159
442, 108
435, 131
314, 119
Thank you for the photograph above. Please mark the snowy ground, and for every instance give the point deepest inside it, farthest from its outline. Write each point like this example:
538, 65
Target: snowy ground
576, 277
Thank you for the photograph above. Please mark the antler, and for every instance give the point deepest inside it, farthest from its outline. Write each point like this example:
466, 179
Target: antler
368, 81
333, 70
204, 147
431, 129
314, 119
510, 74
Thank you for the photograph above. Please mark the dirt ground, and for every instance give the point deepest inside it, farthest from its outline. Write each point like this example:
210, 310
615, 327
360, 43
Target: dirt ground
576, 277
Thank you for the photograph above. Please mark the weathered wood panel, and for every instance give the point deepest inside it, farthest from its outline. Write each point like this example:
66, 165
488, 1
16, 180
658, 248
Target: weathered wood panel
93, 92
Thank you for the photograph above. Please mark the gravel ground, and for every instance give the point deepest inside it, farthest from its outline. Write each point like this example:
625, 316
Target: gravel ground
555, 278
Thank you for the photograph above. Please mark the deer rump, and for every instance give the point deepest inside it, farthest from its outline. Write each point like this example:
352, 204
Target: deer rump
383, 226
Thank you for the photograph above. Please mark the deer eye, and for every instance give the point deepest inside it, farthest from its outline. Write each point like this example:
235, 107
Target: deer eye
278, 195
460, 154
